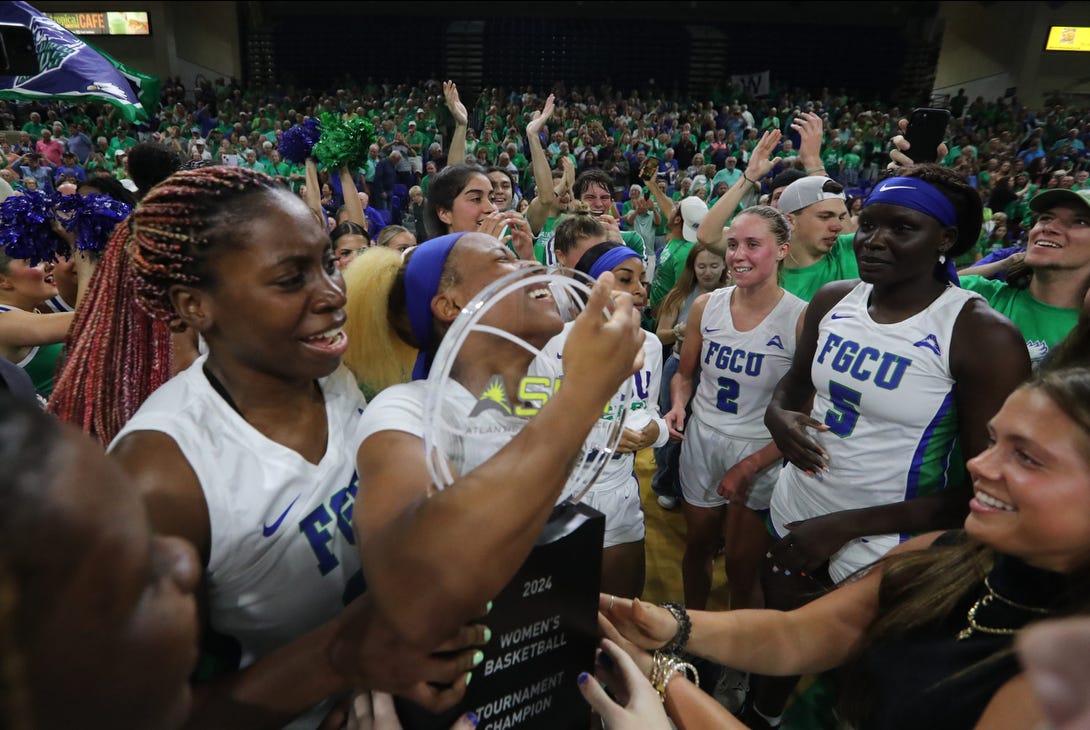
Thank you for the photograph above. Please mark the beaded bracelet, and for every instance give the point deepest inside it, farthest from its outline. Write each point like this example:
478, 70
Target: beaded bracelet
684, 628
663, 669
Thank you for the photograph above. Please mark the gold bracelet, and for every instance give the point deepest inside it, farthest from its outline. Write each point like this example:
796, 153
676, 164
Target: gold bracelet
663, 669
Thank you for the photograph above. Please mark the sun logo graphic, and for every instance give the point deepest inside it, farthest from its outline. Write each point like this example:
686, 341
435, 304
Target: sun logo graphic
494, 398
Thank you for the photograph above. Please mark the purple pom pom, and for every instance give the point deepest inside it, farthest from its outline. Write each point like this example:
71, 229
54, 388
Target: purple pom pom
26, 228
297, 142
93, 218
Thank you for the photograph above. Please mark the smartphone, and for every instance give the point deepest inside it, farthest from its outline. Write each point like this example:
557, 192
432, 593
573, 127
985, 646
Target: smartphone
650, 167
926, 131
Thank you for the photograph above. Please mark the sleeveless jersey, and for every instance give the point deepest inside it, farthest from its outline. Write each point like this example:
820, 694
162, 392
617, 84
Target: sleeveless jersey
283, 558
476, 426
739, 370
887, 395
642, 408
57, 304
543, 244
40, 363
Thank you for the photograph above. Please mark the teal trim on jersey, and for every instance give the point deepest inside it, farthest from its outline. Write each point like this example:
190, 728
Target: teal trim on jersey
937, 462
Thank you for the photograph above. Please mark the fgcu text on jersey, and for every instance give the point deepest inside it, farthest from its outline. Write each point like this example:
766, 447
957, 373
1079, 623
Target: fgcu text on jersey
320, 524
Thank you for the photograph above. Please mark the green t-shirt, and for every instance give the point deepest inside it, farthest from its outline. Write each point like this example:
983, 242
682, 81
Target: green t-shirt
34, 130
417, 143
41, 367
837, 265
543, 244
1042, 325
634, 241
671, 264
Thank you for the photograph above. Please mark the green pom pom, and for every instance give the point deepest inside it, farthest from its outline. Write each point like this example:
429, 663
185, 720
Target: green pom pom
344, 143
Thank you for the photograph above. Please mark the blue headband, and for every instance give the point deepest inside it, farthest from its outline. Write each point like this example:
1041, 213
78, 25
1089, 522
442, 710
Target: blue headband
422, 277
914, 193
610, 260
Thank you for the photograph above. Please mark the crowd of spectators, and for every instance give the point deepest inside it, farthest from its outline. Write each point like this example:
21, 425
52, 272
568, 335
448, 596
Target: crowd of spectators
642, 154
1007, 151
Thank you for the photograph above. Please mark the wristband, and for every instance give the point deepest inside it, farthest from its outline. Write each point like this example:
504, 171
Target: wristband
751, 182
684, 628
812, 170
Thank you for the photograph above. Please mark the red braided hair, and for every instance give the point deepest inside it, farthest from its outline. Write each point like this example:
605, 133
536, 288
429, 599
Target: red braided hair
119, 346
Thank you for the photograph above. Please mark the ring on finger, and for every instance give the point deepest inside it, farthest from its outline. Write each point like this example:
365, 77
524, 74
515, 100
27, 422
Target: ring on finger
612, 598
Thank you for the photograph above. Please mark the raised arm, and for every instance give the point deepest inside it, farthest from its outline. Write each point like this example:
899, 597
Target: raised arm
314, 191
352, 203
407, 530
663, 203
457, 152
811, 132
544, 204
711, 228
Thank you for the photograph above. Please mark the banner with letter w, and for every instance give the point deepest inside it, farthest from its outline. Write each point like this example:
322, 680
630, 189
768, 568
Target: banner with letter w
755, 84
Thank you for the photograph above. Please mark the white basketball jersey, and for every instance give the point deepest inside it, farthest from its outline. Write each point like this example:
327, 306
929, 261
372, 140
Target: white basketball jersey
283, 550
887, 395
739, 370
642, 405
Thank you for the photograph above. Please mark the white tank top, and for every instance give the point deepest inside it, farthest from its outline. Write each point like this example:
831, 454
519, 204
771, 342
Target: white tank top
642, 408
887, 395
283, 549
739, 370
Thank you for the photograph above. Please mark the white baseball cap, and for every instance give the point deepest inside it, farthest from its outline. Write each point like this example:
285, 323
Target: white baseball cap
805, 192
693, 213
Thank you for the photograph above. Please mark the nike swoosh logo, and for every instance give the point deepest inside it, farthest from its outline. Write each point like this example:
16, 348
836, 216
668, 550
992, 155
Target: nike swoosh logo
709, 330
884, 188
268, 530
559, 356
840, 316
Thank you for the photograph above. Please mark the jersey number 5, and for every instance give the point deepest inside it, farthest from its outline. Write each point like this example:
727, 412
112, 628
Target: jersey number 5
844, 414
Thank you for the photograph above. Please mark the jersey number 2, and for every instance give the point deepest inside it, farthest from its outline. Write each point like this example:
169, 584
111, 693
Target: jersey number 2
727, 398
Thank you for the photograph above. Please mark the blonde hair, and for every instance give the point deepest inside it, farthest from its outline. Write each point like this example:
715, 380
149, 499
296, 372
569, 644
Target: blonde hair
376, 355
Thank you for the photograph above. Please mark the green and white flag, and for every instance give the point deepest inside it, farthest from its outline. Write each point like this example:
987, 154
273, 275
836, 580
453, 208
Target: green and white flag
72, 70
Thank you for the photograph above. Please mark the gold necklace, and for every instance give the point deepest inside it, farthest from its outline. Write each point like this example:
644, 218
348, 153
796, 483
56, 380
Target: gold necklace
984, 601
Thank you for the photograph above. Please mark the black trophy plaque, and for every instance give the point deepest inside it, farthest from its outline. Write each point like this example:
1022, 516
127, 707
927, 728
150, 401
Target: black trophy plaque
544, 633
